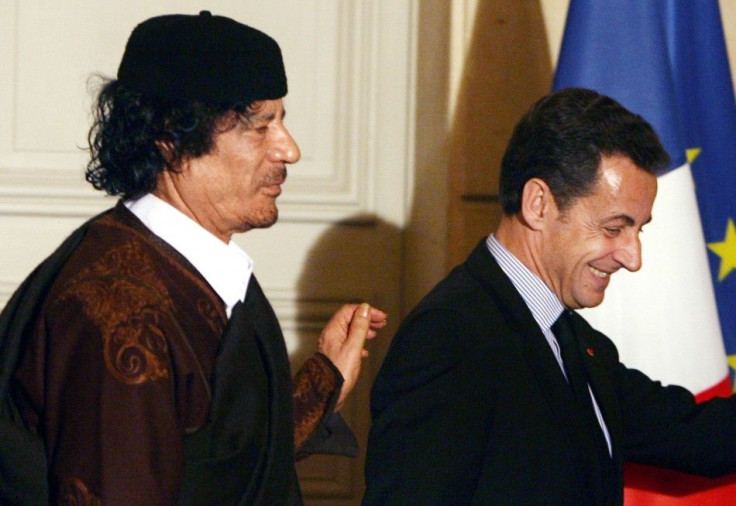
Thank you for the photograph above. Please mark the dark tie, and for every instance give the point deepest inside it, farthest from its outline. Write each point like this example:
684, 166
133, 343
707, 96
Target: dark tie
573, 364
576, 377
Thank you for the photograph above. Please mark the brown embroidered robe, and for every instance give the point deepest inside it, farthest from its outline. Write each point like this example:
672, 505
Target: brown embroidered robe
144, 393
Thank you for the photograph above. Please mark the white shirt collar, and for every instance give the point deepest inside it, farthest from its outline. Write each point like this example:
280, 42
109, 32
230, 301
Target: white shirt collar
226, 267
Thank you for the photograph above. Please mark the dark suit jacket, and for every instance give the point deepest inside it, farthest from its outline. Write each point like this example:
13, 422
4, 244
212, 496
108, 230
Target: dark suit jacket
470, 407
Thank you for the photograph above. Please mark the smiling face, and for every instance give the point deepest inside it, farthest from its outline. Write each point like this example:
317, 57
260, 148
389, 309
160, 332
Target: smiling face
234, 187
597, 234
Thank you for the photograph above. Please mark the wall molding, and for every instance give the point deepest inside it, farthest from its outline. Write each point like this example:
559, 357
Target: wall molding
323, 187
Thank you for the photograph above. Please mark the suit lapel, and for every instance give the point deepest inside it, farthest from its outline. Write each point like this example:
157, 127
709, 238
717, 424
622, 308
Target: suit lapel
533, 346
280, 485
275, 358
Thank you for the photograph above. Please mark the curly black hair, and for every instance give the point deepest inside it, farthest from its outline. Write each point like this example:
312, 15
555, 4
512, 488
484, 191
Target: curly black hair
134, 137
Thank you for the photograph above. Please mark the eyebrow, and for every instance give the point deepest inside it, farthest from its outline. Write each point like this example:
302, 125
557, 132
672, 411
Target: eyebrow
270, 116
628, 220
265, 117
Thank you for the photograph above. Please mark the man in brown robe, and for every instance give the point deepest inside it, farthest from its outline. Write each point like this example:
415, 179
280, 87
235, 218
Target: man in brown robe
142, 363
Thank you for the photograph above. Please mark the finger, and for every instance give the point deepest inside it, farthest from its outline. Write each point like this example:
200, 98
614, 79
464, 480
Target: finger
359, 326
378, 325
343, 317
378, 316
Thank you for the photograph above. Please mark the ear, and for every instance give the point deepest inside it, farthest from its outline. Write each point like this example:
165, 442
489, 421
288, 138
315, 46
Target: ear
166, 149
537, 202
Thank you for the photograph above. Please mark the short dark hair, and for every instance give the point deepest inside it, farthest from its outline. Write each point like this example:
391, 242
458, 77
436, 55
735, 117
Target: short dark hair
129, 129
561, 140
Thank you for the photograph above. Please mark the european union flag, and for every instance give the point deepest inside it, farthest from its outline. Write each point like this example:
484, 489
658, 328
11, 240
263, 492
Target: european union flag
705, 92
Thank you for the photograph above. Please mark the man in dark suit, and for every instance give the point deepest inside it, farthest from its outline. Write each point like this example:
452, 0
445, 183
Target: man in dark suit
494, 390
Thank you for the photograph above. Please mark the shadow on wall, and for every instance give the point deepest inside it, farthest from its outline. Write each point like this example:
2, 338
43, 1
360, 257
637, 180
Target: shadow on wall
355, 260
460, 139
506, 69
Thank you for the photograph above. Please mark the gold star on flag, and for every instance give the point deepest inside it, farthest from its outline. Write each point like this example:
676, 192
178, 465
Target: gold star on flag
732, 364
726, 249
692, 154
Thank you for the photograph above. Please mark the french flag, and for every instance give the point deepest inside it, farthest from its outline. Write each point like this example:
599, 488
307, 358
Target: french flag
675, 319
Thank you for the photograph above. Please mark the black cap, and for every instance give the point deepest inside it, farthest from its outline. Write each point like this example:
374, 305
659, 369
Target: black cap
204, 58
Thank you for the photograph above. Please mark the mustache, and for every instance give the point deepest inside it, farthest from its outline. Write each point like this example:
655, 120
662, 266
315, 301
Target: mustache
278, 176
